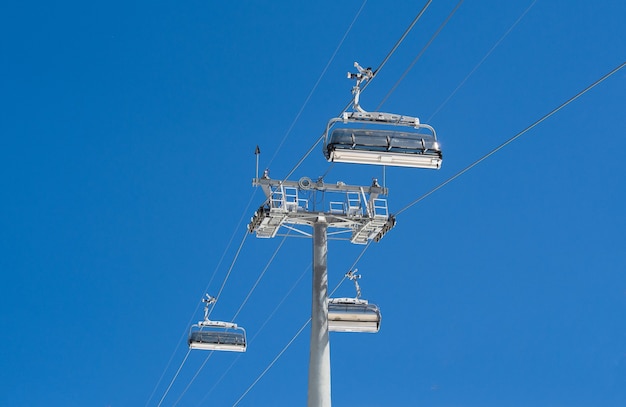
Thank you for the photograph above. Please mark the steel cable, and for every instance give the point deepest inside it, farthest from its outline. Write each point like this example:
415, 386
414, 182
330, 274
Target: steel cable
216, 297
270, 316
512, 139
230, 269
256, 283
174, 378
233, 318
460, 85
406, 32
182, 394
319, 79
272, 363
419, 54
184, 334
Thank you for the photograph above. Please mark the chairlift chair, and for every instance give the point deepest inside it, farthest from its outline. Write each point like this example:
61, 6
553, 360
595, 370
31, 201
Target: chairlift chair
216, 335
353, 315
363, 137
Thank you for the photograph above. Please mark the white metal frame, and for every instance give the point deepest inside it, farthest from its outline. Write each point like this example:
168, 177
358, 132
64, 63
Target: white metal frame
216, 335
353, 315
362, 213
383, 154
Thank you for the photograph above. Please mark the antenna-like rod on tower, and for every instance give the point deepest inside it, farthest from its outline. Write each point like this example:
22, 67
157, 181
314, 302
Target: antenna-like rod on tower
257, 153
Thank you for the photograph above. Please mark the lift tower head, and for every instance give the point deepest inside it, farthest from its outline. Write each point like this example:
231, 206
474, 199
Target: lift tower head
359, 215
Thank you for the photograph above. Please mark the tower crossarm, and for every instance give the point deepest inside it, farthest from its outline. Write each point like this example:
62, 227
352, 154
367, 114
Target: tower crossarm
305, 183
286, 206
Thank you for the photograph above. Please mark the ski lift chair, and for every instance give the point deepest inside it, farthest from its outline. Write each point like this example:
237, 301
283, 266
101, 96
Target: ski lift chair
353, 315
363, 137
216, 335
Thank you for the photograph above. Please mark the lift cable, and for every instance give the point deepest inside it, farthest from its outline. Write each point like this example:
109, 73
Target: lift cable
306, 101
393, 50
280, 245
395, 47
167, 366
419, 54
230, 242
270, 316
408, 69
233, 318
460, 85
193, 315
193, 378
232, 265
272, 363
515, 137
211, 310
169, 362
174, 378
380, 66
241, 307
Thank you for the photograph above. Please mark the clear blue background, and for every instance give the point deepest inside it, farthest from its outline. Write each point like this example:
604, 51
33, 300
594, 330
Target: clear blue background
127, 137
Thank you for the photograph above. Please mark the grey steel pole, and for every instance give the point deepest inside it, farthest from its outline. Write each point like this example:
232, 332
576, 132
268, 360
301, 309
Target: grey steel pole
319, 358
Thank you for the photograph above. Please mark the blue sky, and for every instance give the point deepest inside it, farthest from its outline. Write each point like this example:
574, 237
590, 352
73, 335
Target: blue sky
128, 133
